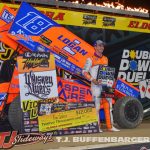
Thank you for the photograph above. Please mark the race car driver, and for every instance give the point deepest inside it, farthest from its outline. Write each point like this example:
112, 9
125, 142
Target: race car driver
90, 72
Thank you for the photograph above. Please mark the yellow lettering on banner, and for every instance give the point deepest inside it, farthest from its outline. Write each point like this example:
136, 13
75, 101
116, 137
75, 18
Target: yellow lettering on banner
5, 52
67, 119
84, 19
32, 107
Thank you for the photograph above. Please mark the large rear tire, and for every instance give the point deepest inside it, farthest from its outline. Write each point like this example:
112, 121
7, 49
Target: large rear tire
128, 112
15, 114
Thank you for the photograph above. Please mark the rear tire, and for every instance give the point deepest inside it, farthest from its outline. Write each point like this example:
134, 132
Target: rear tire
128, 112
15, 114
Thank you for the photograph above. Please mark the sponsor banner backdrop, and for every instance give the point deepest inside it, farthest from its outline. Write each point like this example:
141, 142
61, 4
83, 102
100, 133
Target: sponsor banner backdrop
67, 119
67, 17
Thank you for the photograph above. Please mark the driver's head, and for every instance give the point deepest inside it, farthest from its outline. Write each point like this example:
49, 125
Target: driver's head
99, 46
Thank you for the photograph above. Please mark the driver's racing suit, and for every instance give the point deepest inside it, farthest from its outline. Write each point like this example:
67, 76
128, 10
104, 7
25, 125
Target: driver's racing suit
90, 72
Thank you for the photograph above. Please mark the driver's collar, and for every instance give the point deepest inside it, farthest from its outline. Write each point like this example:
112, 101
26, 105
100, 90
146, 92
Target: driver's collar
98, 55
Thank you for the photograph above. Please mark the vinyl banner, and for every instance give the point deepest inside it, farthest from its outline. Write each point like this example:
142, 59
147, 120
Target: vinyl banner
67, 119
37, 76
37, 32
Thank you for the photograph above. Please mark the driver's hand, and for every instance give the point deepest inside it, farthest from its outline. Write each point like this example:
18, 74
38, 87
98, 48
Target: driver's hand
95, 81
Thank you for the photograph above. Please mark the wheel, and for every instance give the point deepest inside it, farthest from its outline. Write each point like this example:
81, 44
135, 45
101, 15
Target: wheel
15, 114
128, 112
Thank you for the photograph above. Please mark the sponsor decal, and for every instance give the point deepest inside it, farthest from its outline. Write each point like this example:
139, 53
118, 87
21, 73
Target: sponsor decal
38, 85
89, 19
5, 53
72, 46
33, 23
134, 65
33, 60
126, 88
30, 114
109, 21
70, 91
144, 87
45, 40
2, 97
7, 16
37, 76
31, 107
22, 139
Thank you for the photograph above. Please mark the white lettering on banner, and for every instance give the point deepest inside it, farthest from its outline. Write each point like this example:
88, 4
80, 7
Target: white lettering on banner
134, 65
33, 23
104, 139
72, 45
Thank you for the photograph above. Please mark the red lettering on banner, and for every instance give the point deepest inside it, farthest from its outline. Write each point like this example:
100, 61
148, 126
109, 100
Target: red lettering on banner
59, 16
11, 139
137, 24
52, 15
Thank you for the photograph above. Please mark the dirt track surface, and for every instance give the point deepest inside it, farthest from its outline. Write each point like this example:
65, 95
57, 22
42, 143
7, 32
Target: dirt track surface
142, 131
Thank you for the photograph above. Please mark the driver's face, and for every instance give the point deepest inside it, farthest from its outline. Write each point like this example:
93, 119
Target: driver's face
99, 48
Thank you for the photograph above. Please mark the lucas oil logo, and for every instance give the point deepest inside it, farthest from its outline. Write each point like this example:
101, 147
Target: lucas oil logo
34, 23
134, 65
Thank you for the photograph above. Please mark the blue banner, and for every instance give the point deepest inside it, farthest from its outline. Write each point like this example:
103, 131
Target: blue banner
126, 89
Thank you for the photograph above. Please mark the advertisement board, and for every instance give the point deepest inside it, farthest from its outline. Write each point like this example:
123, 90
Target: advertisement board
37, 76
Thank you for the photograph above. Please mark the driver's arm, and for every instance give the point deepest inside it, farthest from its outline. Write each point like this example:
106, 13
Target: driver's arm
86, 69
